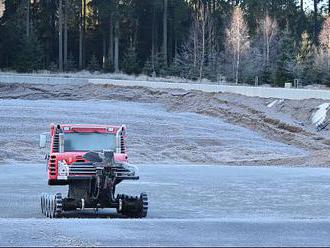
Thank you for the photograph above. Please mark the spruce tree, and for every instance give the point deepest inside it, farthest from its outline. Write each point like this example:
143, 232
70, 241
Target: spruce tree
71, 63
286, 62
148, 68
130, 64
93, 64
30, 54
305, 59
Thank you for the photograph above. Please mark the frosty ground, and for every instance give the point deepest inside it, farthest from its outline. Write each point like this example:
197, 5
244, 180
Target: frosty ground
154, 135
169, 125
181, 142
189, 205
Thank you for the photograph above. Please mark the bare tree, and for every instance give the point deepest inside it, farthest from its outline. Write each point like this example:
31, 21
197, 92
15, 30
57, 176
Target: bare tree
194, 52
237, 39
315, 17
324, 40
269, 30
1, 8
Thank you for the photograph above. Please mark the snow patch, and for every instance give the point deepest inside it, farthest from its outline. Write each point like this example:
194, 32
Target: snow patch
320, 115
275, 102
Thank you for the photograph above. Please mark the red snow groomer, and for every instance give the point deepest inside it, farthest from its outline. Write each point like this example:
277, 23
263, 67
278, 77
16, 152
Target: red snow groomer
91, 160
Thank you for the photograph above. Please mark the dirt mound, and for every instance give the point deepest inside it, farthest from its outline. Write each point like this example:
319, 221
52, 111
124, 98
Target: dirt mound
288, 121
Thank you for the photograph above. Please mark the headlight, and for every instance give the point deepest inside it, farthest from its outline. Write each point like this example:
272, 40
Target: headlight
63, 169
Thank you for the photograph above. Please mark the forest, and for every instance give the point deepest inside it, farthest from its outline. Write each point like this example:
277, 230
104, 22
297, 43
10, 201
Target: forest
239, 41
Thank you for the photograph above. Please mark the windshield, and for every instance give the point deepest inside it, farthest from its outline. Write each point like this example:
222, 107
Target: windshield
89, 142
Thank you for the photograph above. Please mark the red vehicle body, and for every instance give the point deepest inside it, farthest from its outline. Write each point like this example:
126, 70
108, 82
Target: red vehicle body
71, 158
92, 160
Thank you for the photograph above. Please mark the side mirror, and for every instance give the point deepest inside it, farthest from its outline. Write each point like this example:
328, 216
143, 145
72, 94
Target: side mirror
42, 140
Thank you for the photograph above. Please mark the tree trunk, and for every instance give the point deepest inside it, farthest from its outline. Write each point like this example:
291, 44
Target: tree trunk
81, 37
104, 50
110, 49
237, 66
238, 57
60, 36
165, 30
315, 19
175, 47
195, 44
267, 49
153, 38
116, 62
302, 6
328, 59
84, 35
66, 33
27, 19
203, 45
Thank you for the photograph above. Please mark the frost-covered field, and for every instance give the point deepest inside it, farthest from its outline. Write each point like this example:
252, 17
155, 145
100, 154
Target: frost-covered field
174, 136
199, 205
172, 125
154, 134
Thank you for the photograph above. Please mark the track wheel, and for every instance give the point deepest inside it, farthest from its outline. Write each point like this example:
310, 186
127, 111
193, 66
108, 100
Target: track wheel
133, 207
42, 203
47, 205
58, 201
144, 200
52, 205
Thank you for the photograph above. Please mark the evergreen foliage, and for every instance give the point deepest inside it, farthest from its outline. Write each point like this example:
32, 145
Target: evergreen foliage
305, 61
71, 63
130, 64
197, 41
93, 64
285, 64
148, 68
30, 55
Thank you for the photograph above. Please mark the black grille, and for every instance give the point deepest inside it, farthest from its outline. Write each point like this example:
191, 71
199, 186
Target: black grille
56, 142
52, 165
81, 169
122, 143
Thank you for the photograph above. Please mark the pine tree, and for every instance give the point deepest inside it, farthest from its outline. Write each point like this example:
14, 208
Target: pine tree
30, 56
159, 68
177, 68
71, 63
148, 68
93, 64
108, 66
305, 59
286, 62
130, 64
